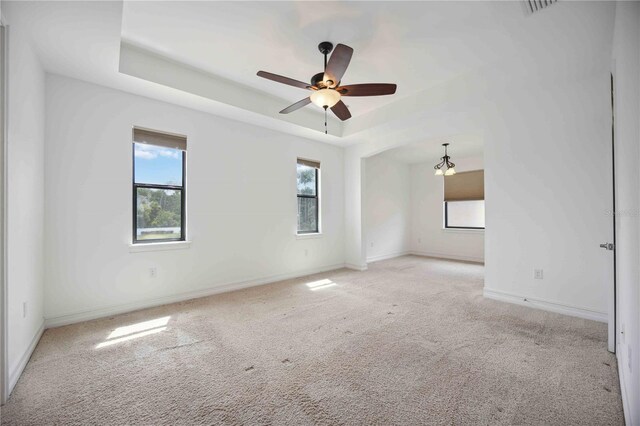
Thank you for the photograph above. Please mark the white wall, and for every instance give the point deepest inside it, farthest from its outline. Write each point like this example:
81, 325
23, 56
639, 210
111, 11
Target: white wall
241, 186
25, 198
427, 234
387, 215
626, 57
355, 247
546, 142
548, 188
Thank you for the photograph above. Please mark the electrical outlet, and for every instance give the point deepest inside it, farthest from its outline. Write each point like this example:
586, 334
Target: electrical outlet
306, 252
371, 244
153, 272
537, 274
24, 309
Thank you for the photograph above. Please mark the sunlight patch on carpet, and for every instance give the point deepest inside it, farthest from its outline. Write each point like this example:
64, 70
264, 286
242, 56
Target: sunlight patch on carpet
320, 284
135, 331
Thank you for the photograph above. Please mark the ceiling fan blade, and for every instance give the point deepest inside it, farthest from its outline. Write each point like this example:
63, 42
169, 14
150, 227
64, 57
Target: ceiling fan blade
370, 89
297, 105
338, 63
341, 111
284, 80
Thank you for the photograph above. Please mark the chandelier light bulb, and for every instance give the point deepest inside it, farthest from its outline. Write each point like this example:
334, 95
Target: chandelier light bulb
439, 172
325, 97
450, 172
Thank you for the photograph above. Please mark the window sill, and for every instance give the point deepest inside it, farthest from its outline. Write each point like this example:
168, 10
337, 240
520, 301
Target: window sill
308, 236
173, 245
463, 230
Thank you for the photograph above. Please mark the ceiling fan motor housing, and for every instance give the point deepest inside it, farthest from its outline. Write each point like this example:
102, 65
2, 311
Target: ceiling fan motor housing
318, 81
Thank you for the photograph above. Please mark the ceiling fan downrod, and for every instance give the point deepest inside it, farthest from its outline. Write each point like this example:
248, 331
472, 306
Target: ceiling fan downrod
325, 48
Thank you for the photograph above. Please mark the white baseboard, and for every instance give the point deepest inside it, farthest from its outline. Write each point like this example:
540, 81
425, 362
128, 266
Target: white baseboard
15, 374
546, 305
448, 256
386, 256
355, 267
624, 394
75, 317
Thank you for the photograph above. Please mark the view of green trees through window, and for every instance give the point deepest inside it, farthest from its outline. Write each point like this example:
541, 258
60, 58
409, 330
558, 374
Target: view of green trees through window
158, 213
307, 199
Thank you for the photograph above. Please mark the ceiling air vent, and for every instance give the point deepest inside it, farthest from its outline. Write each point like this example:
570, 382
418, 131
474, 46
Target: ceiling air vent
532, 6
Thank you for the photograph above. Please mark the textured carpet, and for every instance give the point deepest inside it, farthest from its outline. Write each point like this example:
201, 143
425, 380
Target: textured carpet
410, 341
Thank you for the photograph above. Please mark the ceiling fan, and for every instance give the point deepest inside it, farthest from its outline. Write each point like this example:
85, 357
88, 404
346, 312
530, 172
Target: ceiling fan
326, 85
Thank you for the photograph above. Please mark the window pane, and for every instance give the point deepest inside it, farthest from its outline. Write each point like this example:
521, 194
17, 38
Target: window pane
157, 164
306, 180
307, 214
159, 214
467, 214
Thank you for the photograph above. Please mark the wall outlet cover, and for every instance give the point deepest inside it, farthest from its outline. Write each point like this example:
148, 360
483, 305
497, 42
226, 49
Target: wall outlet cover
538, 274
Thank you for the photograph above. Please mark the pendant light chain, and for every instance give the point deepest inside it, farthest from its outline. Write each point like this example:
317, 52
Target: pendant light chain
325, 107
325, 120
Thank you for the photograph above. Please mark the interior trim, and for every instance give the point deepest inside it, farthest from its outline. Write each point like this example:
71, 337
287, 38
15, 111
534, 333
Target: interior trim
161, 246
546, 305
356, 267
386, 256
449, 256
24, 359
91, 314
623, 390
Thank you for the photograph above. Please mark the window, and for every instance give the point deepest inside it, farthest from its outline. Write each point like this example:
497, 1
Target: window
464, 214
158, 187
308, 196
464, 200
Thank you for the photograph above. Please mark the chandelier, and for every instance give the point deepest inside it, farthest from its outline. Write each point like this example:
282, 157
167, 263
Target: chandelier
445, 162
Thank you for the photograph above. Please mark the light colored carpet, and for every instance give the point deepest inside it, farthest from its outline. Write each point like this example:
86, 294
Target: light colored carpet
410, 341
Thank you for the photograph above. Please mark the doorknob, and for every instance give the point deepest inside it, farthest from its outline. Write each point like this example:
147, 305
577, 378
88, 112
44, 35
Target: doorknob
608, 246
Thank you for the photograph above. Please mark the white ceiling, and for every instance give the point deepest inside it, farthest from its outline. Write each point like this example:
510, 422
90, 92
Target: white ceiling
431, 150
414, 44
418, 45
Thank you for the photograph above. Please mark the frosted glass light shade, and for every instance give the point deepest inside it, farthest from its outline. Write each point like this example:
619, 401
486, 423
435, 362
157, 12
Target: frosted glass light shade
439, 172
325, 97
450, 172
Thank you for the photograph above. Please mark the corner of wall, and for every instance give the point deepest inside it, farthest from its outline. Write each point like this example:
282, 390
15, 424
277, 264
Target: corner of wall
24, 222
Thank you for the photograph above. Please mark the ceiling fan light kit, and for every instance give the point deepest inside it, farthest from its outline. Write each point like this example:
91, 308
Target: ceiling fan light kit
325, 98
327, 92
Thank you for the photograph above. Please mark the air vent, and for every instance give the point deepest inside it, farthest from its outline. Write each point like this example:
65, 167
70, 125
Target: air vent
532, 6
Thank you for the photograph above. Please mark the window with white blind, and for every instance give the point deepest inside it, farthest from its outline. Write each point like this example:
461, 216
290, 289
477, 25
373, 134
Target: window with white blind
464, 200
159, 187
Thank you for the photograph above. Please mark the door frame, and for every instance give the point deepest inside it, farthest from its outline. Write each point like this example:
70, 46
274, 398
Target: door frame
4, 359
613, 297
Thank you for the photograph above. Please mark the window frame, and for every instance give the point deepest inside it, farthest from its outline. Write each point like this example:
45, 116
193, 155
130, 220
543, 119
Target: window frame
446, 219
317, 197
183, 197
